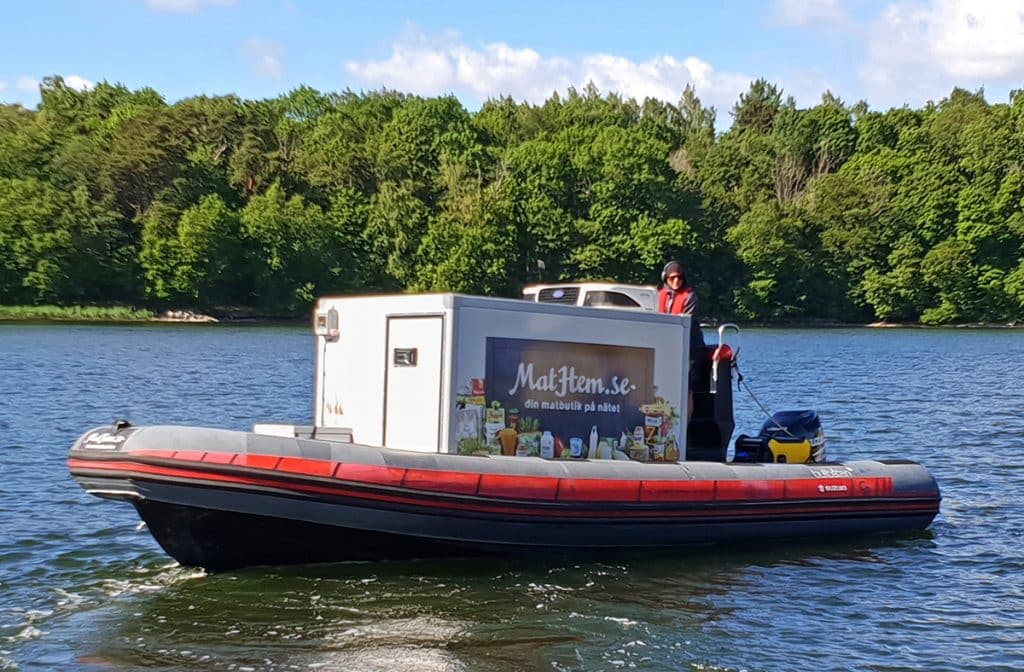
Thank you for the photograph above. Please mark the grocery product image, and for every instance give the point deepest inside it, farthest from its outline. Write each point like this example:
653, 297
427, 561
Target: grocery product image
547, 446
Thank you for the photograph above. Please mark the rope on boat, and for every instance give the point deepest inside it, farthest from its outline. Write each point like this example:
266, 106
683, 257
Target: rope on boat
740, 382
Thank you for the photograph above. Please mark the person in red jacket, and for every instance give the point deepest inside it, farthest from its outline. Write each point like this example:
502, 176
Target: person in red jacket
677, 297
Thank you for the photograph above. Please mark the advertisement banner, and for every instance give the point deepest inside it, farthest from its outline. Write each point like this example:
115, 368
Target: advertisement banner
569, 388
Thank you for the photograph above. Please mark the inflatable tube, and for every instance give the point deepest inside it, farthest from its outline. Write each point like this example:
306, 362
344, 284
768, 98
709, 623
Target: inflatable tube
221, 499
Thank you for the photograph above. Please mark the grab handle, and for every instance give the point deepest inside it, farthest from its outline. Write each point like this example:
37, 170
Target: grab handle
715, 358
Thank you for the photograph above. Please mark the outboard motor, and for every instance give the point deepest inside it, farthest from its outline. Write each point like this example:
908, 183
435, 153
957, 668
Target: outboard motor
788, 436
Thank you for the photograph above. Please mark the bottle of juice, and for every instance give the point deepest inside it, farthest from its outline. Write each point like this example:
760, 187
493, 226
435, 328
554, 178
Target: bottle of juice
507, 438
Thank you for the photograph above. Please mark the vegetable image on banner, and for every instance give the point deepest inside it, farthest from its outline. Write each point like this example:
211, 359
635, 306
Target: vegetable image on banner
568, 390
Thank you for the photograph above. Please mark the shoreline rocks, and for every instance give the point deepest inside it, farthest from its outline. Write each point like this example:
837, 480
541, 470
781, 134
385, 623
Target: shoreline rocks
183, 316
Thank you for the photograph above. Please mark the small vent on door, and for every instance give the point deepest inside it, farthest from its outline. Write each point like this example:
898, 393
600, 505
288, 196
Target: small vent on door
404, 357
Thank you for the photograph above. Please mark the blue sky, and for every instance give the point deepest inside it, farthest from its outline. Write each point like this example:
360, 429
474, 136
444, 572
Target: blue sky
888, 53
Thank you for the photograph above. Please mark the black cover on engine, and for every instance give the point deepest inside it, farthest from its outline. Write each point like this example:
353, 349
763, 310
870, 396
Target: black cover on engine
787, 427
792, 424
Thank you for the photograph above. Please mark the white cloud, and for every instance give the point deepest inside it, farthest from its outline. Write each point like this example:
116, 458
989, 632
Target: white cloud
924, 49
26, 84
979, 39
664, 78
3, 85
266, 58
78, 83
438, 64
184, 5
498, 68
810, 12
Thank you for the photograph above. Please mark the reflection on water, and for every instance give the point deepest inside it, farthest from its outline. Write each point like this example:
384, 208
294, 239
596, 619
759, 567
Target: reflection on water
83, 587
651, 609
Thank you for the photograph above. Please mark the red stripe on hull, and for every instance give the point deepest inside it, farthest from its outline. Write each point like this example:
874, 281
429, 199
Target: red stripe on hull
677, 491
507, 486
547, 488
447, 482
370, 474
746, 491
302, 467
598, 490
268, 462
577, 494
824, 488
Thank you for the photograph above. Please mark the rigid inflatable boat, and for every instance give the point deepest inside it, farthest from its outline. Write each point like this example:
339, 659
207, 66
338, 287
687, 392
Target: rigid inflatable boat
475, 474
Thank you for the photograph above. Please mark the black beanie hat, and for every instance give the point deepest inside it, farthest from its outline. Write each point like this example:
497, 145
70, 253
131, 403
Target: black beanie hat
671, 268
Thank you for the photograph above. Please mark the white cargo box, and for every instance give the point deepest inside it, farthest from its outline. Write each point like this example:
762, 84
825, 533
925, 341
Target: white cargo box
454, 373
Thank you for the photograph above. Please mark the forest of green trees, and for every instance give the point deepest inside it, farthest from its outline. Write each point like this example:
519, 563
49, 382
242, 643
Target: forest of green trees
113, 197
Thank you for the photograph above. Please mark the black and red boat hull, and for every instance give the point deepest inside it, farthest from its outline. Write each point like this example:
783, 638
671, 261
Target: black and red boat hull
220, 499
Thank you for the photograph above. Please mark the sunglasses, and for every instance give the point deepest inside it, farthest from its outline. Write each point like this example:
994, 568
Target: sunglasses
675, 276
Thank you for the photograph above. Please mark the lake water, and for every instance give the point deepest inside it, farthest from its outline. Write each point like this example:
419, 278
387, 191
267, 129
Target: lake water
83, 587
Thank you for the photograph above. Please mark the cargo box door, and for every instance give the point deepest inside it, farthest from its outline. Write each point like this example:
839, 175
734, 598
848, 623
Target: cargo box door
412, 390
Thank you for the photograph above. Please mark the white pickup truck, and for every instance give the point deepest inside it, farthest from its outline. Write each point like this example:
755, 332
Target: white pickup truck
595, 295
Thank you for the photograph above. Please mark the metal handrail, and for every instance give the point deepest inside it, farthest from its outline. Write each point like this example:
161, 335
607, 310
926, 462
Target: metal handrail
715, 358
